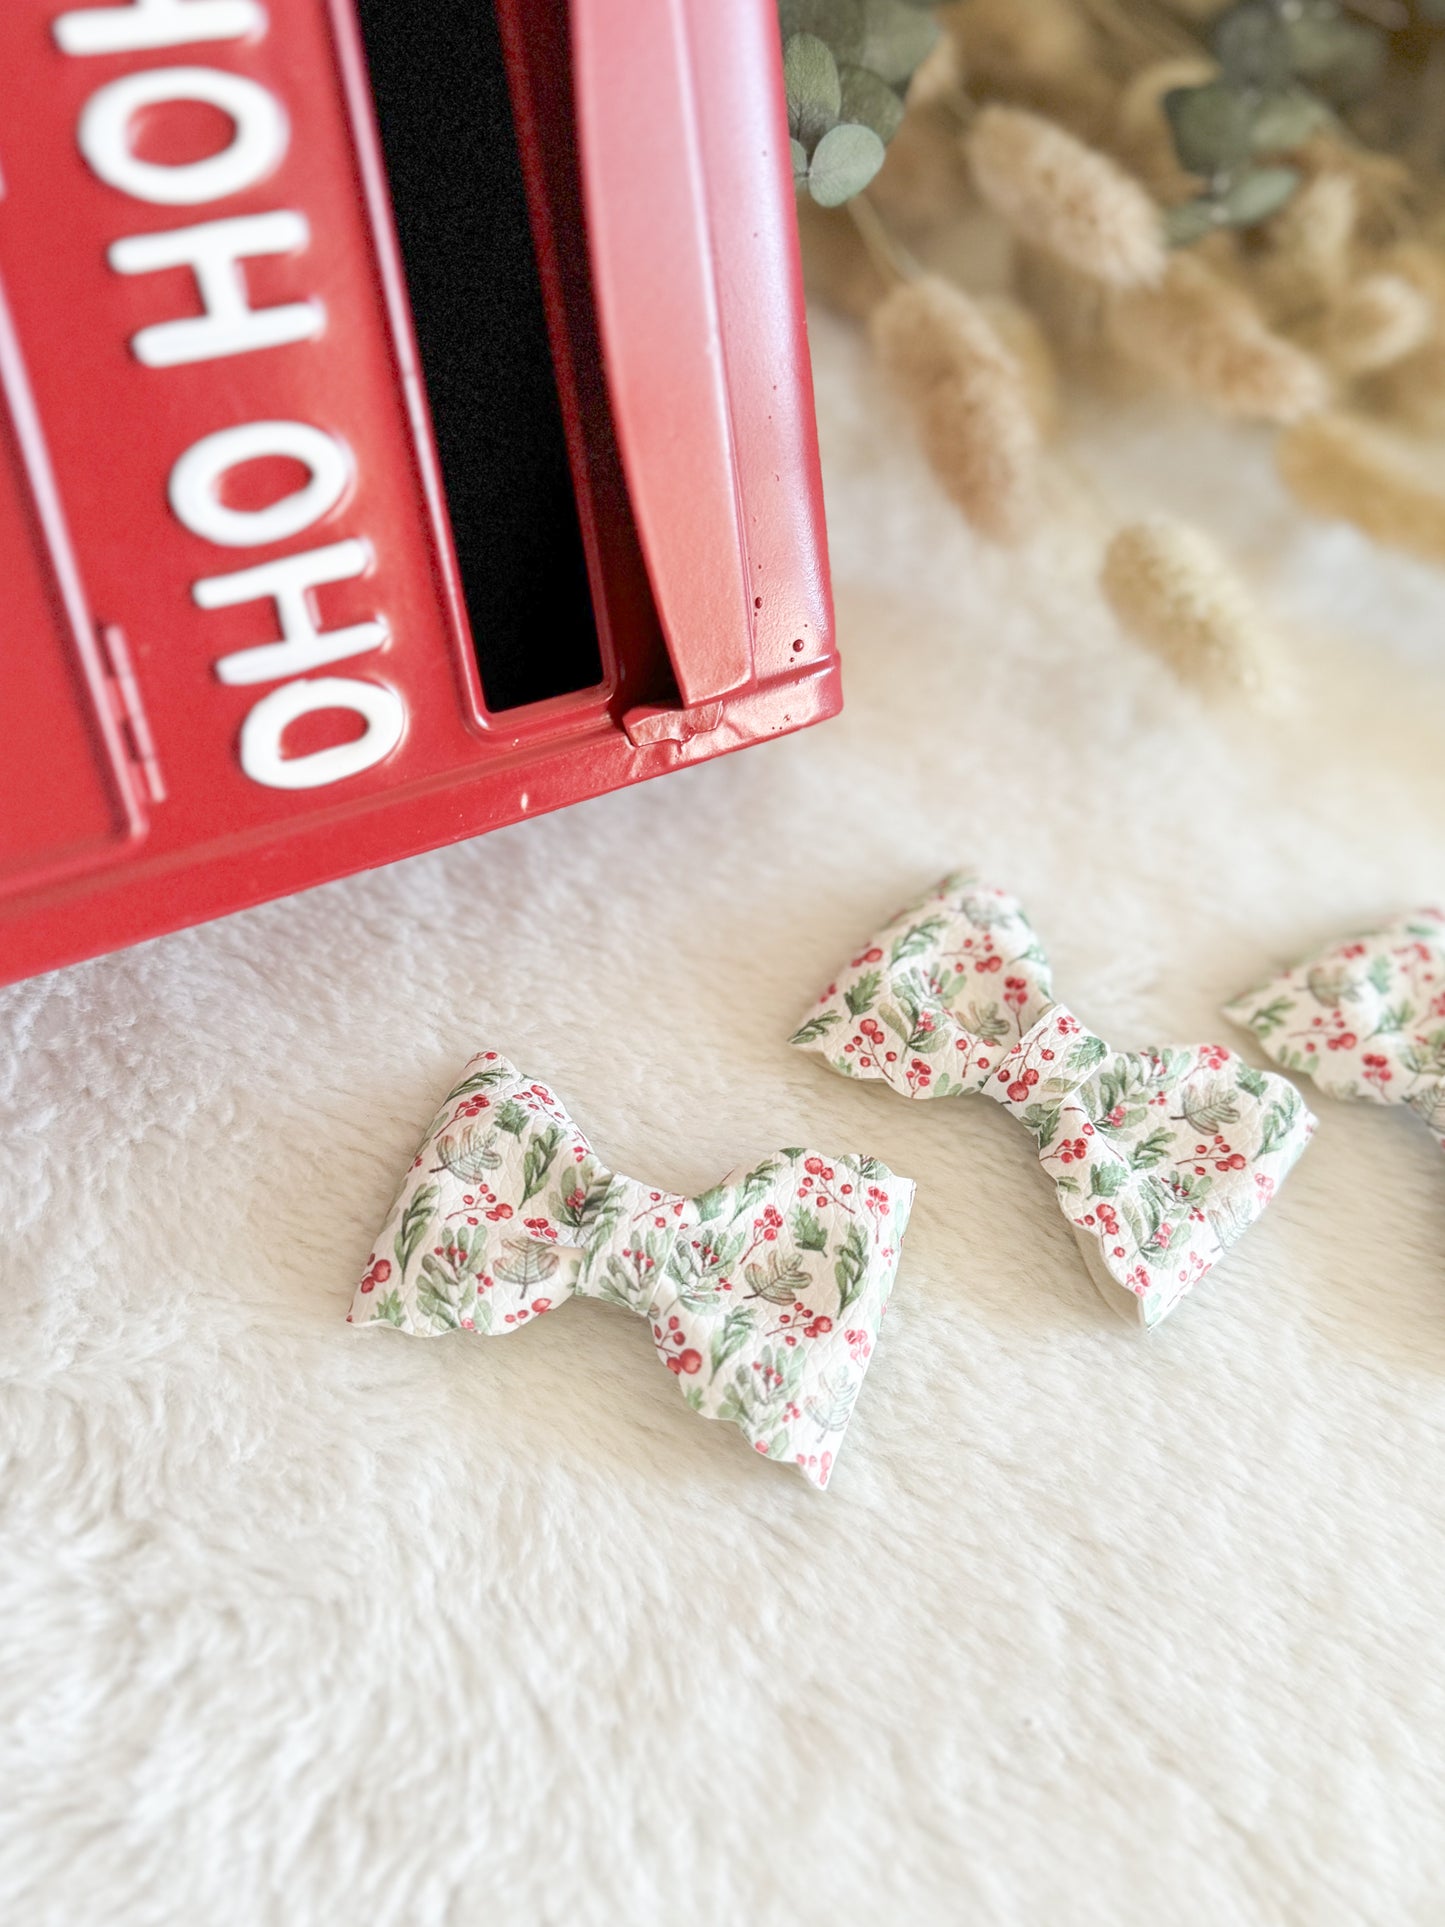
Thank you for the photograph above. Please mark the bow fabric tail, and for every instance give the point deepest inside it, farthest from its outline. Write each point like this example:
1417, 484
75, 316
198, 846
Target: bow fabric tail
1161, 1158
763, 1295
1365, 1017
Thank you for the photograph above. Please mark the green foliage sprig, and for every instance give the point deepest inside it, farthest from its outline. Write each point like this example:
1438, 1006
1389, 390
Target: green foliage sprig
1285, 67
846, 67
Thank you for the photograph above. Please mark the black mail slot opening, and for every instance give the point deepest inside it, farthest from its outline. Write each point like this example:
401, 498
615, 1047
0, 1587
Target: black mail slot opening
450, 147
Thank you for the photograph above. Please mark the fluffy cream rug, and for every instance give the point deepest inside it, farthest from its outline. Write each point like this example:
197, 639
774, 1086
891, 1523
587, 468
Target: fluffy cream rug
305, 1626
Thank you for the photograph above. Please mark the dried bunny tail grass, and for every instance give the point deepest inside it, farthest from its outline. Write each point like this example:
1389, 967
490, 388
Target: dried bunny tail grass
970, 398
1342, 466
984, 449
1025, 340
1067, 198
1171, 589
1198, 333
1374, 323
927, 330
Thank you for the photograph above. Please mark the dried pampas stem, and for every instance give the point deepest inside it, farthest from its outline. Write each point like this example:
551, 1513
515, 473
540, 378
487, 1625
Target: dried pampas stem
1345, 467
1206, 337
888, 255
1171, 589
970, 398
1058, 194
837, 266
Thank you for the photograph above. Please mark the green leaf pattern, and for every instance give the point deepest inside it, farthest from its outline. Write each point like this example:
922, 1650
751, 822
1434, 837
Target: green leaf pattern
764, 1294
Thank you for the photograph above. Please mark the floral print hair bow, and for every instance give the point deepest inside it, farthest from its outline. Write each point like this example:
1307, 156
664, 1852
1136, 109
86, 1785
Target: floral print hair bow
1161, 1157
1365, 1018
764, 1295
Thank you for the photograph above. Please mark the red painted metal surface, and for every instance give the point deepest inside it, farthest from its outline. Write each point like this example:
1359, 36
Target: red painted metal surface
149, 780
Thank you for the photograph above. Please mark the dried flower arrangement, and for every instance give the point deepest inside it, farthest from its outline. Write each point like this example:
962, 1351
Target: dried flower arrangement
1244, 203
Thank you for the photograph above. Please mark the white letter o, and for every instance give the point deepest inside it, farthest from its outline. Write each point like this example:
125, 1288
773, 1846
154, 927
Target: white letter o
257, 145
261, 758
192, 487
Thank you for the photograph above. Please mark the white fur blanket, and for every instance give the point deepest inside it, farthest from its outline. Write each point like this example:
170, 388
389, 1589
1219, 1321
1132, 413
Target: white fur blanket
305, 1626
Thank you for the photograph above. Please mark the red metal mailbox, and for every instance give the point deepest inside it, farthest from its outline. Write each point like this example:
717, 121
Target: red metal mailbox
406, 429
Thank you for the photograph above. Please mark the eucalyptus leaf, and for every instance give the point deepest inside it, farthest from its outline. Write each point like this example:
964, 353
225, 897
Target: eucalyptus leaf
896, 39
810, 79
870, 101
800, 164
1213, 126
839, 23
1341, 57
844, 162
1285, 121
1190, 221
1255, 195
1252, 45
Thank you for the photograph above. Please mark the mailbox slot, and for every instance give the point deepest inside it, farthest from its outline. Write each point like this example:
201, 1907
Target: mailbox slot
449, 145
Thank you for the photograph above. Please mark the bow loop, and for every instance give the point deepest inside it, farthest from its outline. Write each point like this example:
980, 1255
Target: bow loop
763, 1296
1365, 1018
938, 997
1160, 1158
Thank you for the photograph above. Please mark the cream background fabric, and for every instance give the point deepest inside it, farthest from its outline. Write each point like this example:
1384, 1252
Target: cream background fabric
1090, 1628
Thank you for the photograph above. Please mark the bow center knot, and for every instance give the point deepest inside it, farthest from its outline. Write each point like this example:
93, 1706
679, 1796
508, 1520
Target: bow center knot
629, 1243
1048, 1064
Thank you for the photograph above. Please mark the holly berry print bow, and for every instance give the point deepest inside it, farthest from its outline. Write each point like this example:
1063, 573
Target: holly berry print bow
763, 1296
1161, 1157
1365, 1018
